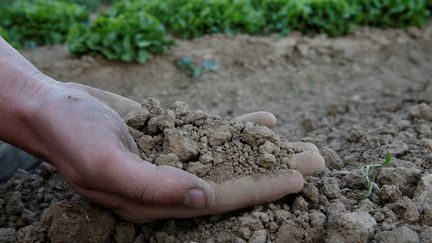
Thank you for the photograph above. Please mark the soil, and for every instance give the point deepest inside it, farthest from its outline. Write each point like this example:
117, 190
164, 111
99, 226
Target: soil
212, 148
356, 97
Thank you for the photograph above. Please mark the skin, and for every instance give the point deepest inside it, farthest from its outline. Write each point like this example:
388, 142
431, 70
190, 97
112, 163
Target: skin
80, 131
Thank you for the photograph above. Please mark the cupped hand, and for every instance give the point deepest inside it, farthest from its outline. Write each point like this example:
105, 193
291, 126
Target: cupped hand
81, 132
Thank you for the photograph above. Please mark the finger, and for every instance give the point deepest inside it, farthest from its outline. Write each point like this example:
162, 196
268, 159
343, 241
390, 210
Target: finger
230, 195
307, 163
143, 182
253, 190
305, 146
261, 118
120, 104
239, 193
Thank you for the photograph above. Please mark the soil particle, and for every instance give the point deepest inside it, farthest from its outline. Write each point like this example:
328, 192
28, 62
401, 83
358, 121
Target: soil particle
300, 204
289, 233
124, 232
168, 159
310, 192
390, 193
426, 214
68, 222
404, 177
396, 148
7, 235
354, 179
184, 147
331, 188
423, 192
258, 236
426, 235
332, 159
406, 209
136, 118
350, 227
420, 111
400, 234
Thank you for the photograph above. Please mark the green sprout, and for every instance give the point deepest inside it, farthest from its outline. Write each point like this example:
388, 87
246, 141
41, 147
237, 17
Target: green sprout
365, 169
188, 65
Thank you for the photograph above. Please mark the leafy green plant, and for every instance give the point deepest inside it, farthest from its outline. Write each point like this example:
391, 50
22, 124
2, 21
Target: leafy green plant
391, 13
90, 4
5, 36
334, 17
157, 8
199, 17
40, 22
193, 18
127, 37
366, 170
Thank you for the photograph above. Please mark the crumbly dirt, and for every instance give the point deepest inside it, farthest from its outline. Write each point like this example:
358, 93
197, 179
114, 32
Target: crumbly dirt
356, 97
210, 147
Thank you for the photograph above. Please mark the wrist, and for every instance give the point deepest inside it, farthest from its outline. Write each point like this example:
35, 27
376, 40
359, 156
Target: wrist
21, 98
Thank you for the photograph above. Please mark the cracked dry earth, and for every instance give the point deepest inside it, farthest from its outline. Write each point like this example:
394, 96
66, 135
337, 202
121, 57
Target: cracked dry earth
356, 97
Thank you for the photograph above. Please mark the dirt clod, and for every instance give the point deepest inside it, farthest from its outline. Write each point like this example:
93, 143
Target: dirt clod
66, 222
400, 234
350, 227
8, 235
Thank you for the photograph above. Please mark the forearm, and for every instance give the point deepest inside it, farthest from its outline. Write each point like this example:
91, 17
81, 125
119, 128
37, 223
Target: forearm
20, 85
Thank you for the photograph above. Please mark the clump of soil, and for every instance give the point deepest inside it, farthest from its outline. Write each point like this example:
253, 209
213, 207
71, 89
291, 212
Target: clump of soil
210, 147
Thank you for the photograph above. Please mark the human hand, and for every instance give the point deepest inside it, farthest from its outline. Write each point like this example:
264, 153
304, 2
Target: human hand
81, 132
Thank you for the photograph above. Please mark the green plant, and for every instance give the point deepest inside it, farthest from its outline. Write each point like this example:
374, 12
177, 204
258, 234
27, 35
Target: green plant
193, 18
199, 17
5, 36
366, 170
392, 13
127, 37
90, 4
129, 6
40, 22
308, 16
188, 65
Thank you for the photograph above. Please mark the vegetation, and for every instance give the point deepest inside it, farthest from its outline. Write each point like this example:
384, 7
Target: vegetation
6, 37
131, 30
193, 18
194, 70
40, 22
392, 13
308, 16
366, 173
127, 37
90, 4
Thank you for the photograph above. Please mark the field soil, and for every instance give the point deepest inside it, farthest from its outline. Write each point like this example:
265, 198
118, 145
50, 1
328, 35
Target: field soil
356, 97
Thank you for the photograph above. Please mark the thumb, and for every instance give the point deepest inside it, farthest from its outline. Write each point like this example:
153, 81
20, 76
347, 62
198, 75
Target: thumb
146, 183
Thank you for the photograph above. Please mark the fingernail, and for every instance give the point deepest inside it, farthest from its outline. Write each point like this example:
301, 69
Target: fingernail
195, 198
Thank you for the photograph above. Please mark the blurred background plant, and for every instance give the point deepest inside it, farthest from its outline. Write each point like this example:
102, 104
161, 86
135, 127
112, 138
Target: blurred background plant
132, 30
40, 22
